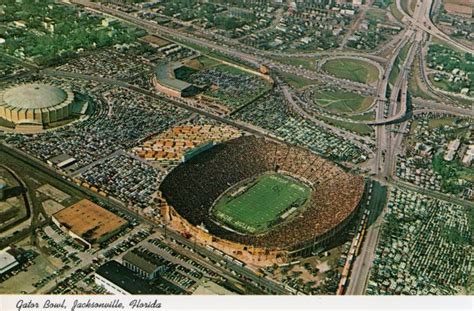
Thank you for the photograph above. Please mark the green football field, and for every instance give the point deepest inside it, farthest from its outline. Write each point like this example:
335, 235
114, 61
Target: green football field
261, 203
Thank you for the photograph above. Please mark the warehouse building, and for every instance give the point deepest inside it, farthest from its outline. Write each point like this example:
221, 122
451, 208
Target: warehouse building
88, 223
143, 264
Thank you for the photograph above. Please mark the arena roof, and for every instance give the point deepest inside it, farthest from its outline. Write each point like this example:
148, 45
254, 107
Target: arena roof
28, 96
88, 220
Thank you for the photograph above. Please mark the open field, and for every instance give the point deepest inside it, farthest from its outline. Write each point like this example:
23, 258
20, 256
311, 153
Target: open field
303, 62
439, 122
262, 203
367, 116
352, 69
201, 62
362, 129
413, 86
376, 14
458, 7
296, 81
342, 102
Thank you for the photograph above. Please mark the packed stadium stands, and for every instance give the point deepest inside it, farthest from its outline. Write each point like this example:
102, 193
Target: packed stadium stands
193, 187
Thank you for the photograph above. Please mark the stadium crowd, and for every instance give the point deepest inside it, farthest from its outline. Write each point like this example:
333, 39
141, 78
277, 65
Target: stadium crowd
193, 187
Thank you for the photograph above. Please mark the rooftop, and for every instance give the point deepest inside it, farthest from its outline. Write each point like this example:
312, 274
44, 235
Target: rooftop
89, 220
126, 279
6, 260
211, 288
28, 96
165, 76
142, 261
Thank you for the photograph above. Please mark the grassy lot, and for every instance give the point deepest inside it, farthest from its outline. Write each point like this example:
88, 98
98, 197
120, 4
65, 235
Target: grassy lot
413, 86
434, 123
234, 70
395, 12
201, 62
361, 129
368, 116
442, 85
260, 205
352, 69
413, 127
392, 78
376, 14
304, 62
296, 81
404, 53
206, 51
343, 102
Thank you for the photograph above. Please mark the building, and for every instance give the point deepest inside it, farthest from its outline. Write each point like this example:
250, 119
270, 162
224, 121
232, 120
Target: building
88, 223
453, 146
211, 288
119, 280
35, 104
61, 161
7, 261
469, 156
166, 82
143, 264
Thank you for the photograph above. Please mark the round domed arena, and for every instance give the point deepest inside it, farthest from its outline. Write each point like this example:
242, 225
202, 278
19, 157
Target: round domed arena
36, 104
256, 197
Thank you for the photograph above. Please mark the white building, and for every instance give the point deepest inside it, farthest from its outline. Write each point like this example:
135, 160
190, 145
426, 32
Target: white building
453, 146
468, 156
7, 261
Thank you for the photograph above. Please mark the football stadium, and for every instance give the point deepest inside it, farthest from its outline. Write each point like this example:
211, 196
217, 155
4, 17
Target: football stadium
261, 200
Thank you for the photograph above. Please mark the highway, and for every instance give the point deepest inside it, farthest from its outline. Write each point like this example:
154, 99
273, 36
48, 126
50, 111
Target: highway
388, 144
353, 138
256, 58
422, 20
389, 110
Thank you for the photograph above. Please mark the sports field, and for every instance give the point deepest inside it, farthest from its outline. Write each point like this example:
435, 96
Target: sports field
342, 102
352, 69
254, 209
